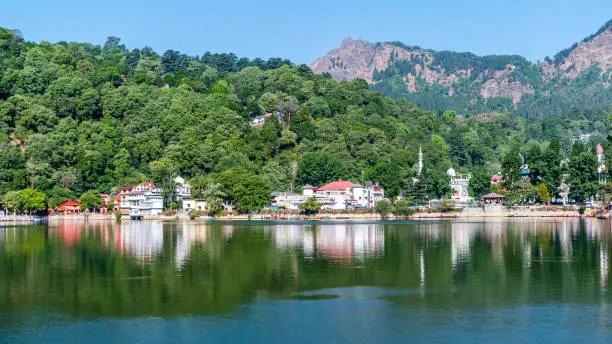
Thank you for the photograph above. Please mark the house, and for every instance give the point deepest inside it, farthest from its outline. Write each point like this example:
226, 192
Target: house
69, 207
117, 202
260, 120
496, 179
183, 189
183, 196
584, 138
190, 204
142, 199
459, 184
106, 200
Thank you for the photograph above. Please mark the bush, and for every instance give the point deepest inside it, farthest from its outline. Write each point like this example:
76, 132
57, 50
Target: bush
582, 209
402, 208
118, 216
194, 214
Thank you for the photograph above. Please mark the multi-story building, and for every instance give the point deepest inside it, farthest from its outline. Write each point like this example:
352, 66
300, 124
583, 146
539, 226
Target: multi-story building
142, 199
459, 184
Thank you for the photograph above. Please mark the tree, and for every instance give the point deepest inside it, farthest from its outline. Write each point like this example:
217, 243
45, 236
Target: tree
13, 201
582, 174
384, 207
551, 166
250, 193
59, 195
213, 194
387, 174
480, 182
33, 200
511, 167
544, 194
311, 205
402, 208
163, 172
318, 168
91, 200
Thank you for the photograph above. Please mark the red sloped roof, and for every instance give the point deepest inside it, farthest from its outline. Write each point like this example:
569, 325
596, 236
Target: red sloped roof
599, 149
118, 197
496, 178
336, 185
70, 203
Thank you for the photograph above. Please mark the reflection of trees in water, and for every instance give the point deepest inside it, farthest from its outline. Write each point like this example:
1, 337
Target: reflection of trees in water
211, 268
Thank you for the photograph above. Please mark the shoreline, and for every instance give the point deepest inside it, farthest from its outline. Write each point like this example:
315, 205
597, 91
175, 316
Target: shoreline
329, 217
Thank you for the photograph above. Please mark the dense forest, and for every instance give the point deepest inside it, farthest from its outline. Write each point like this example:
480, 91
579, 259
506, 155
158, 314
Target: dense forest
76, 117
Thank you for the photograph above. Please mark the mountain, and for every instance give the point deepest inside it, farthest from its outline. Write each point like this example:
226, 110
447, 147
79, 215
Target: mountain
575, 78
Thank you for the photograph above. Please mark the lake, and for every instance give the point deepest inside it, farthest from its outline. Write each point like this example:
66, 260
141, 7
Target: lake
521, 280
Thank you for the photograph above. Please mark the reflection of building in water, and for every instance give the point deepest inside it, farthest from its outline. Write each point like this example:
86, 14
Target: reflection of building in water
69, 232
190, 234
422, 268
603, 265
565, 240
289, 236
346, 241
142, 239
461, 234
228, 232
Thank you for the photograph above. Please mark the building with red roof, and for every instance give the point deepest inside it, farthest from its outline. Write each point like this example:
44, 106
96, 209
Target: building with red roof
342, 194
69, 207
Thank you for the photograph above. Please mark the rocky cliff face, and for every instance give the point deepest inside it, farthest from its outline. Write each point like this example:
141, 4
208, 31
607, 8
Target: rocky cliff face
450, 74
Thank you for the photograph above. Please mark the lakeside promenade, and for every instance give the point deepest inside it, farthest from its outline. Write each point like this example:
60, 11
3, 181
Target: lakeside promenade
466, 213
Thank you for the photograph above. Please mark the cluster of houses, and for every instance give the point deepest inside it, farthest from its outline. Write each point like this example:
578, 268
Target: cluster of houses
337, 195
147, 199
71, 207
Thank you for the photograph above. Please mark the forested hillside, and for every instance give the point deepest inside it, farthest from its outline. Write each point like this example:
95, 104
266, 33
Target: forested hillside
576, 78
76, 117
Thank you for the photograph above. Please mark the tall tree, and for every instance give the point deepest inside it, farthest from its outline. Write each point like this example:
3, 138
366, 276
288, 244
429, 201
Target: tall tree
582, 173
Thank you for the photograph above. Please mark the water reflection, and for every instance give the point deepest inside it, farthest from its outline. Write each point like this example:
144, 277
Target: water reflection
214, 267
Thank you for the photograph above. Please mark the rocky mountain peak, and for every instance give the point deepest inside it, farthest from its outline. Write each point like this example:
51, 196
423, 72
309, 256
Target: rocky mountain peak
399, 70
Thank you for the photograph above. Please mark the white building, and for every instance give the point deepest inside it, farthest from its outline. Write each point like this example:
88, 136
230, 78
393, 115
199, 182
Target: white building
142, 199
183, 188
601, 168
190, 204
290, 200
338, 195
459, 184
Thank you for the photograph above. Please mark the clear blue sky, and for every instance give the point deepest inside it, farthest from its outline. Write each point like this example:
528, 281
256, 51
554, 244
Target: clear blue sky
305, 30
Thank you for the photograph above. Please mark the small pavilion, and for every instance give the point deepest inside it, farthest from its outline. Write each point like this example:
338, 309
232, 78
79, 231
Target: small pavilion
493, 199
69, 207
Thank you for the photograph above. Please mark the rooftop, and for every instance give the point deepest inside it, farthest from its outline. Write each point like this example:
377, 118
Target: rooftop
336, 185
493, 195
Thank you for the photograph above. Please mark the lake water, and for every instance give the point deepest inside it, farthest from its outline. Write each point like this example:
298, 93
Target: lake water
516, 281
